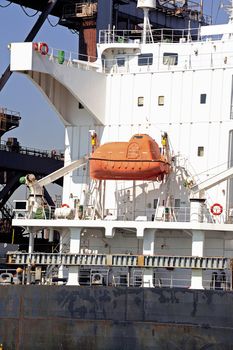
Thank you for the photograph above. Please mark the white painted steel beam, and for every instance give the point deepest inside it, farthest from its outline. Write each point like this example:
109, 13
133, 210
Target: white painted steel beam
64, 84
213, 181
63, 171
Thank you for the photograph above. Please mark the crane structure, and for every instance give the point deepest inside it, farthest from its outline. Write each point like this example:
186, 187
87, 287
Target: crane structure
197, 190
36, 201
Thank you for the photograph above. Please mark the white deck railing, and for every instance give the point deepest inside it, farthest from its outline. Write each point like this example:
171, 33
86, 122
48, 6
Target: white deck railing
164, 35
162, 214
70, 58
184, 62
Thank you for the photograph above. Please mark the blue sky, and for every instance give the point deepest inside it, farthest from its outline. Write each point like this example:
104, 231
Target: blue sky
39, 121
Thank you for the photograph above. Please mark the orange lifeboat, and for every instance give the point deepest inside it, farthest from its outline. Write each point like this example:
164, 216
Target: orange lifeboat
138, 159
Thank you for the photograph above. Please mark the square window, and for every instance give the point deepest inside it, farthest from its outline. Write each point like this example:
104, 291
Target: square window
200, 151
120, 61
155, 203
170, 58
161, 100
140, 101
203, 98
145, 59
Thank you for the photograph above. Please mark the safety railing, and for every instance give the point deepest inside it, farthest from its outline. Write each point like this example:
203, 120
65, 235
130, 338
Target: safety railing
164, 35
224, 284
131, 63
86, 10
56, 154
46, 213
161, 214
166, 214
73, 59
114, 277
106, 277
192, 61
11, 114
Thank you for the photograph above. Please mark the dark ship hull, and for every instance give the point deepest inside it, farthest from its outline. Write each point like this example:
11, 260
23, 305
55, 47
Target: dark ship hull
63, 317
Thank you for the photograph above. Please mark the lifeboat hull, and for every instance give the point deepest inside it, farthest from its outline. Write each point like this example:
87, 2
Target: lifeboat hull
138, 159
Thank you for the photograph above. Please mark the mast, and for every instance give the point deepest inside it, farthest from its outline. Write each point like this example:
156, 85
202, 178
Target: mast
146, 6
201, 7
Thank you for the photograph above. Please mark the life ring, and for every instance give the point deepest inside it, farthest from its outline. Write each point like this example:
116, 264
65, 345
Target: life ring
216, 209
65, 205
43, 48
35, 46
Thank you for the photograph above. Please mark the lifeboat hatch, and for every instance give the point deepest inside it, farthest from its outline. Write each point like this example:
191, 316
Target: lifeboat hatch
138, 159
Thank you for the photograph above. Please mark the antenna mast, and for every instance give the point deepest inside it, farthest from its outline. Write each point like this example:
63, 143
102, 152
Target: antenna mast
146, 6
201, 7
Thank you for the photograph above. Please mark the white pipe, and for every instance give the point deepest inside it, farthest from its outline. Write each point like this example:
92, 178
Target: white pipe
145, 24
31, 243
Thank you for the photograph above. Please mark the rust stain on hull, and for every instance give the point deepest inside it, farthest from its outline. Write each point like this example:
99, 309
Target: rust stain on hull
60, 317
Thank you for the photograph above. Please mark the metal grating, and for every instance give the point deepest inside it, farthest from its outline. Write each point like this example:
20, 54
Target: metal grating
186, 262
156, 261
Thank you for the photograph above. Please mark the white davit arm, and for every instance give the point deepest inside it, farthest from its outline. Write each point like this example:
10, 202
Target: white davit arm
63, 171
213, 181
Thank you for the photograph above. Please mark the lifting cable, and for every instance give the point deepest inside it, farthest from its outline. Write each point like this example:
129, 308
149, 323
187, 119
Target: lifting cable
73, 31
53, 25
27, 14
34, 31
3, 6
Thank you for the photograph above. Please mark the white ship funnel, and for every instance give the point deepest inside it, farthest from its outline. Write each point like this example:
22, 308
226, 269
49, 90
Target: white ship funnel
146, 5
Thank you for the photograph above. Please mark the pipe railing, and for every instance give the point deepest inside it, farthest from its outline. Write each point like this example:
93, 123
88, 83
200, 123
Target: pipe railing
162, 214
133, 63
110, 36
103, 277
190, 61
71, 58
57, 154
9, 112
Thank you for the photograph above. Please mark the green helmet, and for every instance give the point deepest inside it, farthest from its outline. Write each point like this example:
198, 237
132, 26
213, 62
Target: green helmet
22, 180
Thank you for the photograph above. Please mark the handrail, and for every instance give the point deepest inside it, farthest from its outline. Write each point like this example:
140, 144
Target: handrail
70, 57
9, 112
158, 35
56, 154
162, 214
189, 61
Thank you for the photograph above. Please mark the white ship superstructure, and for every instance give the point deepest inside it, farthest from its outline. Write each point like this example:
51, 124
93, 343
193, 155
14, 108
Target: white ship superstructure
176, 83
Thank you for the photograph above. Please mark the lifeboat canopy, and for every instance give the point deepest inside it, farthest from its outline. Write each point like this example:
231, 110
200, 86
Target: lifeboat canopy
138, 159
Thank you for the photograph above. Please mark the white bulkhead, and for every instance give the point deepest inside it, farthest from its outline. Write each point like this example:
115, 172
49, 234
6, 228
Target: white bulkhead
155, 83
